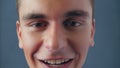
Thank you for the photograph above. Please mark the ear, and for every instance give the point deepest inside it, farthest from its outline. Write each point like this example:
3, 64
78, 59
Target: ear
18, 29
92, 33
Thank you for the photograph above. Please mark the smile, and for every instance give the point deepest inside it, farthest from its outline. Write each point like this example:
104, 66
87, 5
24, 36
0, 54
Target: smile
56, 62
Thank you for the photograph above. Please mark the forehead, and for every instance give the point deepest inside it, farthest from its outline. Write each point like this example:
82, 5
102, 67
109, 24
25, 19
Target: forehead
55, 2
54, 6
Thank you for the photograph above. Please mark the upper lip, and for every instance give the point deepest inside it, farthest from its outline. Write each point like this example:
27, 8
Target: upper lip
48, 59
53, 58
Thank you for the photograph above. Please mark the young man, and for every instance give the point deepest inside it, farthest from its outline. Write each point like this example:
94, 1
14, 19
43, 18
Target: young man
55, 33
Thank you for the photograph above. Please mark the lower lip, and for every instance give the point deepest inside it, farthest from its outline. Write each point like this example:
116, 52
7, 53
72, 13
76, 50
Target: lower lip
60, 66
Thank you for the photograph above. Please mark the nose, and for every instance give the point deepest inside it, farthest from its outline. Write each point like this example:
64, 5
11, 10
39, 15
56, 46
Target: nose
55, 38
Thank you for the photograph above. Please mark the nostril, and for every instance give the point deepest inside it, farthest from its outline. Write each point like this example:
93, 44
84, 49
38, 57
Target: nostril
55, 42
52, 47
52, 44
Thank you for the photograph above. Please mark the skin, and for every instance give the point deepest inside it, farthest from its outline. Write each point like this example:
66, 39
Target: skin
55, 29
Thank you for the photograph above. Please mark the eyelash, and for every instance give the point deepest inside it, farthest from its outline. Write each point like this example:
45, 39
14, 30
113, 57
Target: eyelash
38, 25
72, 24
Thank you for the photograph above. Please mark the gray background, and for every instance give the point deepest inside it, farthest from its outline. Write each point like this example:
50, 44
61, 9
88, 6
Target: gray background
105, 53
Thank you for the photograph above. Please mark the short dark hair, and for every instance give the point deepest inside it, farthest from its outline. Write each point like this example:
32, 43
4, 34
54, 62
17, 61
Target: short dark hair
18, 2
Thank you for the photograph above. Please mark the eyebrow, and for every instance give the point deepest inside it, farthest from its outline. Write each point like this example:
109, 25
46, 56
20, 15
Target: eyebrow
74, 13
33, 16
77, 13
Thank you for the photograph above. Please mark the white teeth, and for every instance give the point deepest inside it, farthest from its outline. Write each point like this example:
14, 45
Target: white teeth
59, 61
51, 62
66, 60
54, 62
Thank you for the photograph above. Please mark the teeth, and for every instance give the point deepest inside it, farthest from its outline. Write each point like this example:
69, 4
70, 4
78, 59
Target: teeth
56, 62
59, 61
66, 60
51, 62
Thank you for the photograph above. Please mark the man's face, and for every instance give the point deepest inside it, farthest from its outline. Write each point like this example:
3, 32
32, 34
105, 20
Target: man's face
55, 33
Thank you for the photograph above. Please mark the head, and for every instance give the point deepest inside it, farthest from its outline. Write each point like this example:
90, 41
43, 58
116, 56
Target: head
55, 33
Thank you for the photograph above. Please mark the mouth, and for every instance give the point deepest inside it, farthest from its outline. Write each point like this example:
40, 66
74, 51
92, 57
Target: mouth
56, 63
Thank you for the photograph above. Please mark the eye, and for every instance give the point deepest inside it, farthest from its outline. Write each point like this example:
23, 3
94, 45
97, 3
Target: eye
39, 24
72, 23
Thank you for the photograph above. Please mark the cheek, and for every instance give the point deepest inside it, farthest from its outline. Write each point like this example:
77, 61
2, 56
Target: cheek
81, 44
31, 42
81, 41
